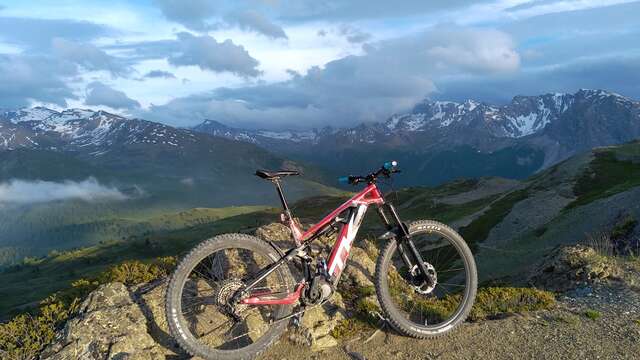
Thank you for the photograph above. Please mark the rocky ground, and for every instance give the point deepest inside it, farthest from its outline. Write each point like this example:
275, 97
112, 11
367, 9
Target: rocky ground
597, 316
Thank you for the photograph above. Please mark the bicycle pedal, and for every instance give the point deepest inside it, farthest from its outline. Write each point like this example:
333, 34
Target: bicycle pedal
297, 321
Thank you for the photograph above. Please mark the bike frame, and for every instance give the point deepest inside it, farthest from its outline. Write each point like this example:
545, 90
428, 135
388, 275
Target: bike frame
356, 208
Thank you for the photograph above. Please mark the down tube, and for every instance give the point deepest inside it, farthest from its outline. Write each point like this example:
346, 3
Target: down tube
347, 235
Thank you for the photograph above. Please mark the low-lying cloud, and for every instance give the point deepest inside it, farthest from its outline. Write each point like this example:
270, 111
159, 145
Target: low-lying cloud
31, 192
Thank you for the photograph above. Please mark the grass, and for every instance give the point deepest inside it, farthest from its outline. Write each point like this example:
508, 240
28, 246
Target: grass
478, 230
624, 227
491, 302
494, 301
605, 176
593, 314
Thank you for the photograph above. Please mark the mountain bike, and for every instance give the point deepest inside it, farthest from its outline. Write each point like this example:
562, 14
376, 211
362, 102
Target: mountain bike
234, 294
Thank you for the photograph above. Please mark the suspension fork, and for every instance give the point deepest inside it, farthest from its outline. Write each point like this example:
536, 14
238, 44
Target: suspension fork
404, 239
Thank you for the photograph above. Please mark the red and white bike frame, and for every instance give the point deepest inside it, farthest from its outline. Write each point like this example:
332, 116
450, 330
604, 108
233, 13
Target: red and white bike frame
358, 204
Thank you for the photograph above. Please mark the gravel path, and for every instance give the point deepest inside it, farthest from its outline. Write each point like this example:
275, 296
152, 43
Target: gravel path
562, 333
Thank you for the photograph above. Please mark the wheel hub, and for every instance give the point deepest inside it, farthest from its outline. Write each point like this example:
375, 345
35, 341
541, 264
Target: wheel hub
421, 285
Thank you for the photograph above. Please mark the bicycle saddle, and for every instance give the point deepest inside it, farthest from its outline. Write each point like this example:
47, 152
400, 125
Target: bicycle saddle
272, 174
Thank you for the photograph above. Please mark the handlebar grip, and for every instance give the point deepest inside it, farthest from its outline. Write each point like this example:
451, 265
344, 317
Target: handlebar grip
344, 180
390, 165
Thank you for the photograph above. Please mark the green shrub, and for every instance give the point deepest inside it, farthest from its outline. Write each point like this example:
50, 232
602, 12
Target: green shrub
489, 303
349, 328
137, 272
494, 301
593, 314
26, 335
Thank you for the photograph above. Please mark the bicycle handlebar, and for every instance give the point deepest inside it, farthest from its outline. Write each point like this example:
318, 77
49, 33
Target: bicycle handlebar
388, 168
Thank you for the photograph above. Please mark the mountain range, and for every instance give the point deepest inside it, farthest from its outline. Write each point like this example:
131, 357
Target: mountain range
436, 141
442, 140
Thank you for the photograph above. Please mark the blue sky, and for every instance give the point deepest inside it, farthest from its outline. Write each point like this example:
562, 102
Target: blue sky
308, 63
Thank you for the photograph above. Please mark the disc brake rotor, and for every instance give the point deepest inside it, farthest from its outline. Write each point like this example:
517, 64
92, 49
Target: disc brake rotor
424, 286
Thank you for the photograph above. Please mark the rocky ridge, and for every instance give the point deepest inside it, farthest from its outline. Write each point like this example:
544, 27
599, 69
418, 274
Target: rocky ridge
116, 322
119, 322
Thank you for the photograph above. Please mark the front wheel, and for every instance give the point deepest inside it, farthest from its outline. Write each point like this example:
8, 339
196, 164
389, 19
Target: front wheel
414, 305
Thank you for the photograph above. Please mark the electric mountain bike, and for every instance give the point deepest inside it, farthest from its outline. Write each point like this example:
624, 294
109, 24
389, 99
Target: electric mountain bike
234, 294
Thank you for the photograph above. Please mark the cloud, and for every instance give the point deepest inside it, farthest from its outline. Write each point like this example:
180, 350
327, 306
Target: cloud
340, 10
37, 34
540, 7
192, 50
472, 50
354, 89
89, 57
190, 13
615, 72
154, 74
29, 192
26, 78
209, 54
204, 15
251, 20
353, 34
101, 94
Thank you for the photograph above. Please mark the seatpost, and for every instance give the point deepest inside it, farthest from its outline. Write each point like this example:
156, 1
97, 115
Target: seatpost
276, 182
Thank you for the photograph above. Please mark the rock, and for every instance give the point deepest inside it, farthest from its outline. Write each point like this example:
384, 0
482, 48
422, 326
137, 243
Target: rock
274, 232
109, 325
569, 267
360, 268
317, 324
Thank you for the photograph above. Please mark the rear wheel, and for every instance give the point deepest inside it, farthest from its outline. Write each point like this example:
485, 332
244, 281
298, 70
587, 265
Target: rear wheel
199, 312
416, 306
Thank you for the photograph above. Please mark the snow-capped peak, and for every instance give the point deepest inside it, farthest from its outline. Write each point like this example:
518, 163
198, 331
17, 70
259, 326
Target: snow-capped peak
38, 113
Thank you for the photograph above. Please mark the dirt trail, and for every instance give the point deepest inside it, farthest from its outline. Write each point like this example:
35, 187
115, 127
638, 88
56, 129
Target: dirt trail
562, 333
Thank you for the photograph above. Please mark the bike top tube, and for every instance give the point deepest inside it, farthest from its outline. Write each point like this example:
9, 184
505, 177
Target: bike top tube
370, 195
